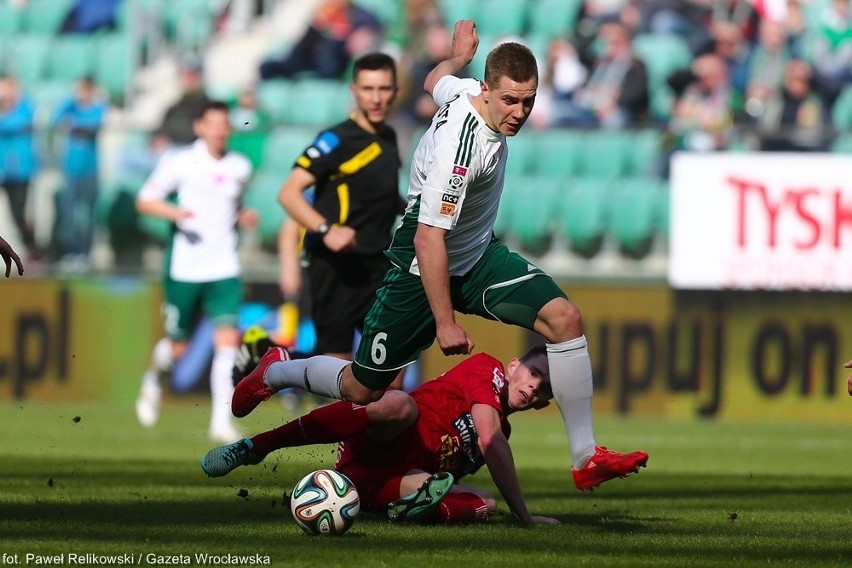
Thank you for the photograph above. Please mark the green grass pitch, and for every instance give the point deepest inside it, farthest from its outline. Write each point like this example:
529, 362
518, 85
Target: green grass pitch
86, 479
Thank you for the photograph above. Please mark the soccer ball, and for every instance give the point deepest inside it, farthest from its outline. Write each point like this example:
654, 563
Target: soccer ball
325, 502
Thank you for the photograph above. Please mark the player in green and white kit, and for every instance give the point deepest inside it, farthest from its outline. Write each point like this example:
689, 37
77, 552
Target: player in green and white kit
202, 272
446, 259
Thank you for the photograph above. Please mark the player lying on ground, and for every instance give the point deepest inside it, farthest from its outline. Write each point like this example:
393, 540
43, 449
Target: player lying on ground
445, 429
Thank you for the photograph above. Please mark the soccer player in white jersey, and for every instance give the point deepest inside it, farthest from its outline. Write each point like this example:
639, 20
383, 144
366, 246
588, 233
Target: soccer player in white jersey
446, 259
202, 271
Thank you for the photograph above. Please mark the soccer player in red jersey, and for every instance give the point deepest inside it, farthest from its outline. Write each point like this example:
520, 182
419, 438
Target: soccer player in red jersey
405, 453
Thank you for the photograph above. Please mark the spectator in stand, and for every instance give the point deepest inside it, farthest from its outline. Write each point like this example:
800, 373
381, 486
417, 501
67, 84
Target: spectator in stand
795, 119
766, 68
726, 41
88, 16
832, 48
564, 73
80, 118
178, 121
18, 159
616, 93
416, 104
339, 31
701, 121
740, 13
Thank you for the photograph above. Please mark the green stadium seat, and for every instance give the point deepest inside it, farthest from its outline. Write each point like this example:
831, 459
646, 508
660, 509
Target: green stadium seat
557, 152
281, 148
632, 215
553, 18
842, 110
582, 213
842, 144
45, 17
455, 10
502, 17
319, 102
662, 209
522, 151
11, 19
27, 57
262, 196
644, 153
604, 153
662, 55
189, 23
115, 64
534, 203
46, 96
273, 98
71, 57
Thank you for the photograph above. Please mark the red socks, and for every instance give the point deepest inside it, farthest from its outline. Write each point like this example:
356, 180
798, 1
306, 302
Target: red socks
333, 423
459, 507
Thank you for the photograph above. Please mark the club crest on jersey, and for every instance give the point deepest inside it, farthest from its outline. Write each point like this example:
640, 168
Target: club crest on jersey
498, 380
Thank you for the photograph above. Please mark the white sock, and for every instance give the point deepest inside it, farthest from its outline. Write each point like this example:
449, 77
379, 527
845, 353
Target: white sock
161, 362
221, 386
319, 374
162, 359
571, 379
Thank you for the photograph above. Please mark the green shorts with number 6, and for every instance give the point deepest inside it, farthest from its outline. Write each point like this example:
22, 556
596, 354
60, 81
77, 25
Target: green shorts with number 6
502, 286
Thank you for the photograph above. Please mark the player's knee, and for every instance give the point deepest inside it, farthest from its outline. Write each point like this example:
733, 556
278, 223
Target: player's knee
394, 406
559, 320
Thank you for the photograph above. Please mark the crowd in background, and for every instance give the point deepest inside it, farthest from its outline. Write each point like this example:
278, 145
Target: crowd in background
708, 75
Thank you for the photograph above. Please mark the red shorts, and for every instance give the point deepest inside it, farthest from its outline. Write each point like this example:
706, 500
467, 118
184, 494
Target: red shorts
377, 470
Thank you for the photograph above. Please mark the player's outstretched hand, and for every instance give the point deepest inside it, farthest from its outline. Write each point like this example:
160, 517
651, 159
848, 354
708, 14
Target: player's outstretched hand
848, 365
539, 520
465, 39
9, 255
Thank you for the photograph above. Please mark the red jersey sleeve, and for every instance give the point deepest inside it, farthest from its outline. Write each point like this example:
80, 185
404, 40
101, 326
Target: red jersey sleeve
481, 378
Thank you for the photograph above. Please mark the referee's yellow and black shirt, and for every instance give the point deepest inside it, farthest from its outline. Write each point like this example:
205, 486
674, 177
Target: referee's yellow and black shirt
357, 175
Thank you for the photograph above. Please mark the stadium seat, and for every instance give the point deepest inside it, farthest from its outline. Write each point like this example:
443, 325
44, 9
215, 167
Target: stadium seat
502, 17
534, 203
632, 214
643, 154
842, 144
262, 196
11, 19
115, 64
521, 154
281, 148
455, 10
553, 18
662, 209
582, 213
662, 55
27, 57
45, 17
604, 153
842, 111
46, 96
557, 152
273, 98
319, 102
72, 56
189, 23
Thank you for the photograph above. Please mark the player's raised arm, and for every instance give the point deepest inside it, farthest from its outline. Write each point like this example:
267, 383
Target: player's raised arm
465, 42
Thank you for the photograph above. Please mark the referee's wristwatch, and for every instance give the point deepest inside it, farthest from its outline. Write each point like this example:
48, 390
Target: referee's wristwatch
323, 228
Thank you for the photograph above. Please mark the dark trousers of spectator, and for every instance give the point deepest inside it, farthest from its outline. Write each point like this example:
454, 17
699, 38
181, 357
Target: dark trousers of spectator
17, 191
76, 215
314, 53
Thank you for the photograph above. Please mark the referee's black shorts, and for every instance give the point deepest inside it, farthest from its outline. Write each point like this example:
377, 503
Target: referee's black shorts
343, 288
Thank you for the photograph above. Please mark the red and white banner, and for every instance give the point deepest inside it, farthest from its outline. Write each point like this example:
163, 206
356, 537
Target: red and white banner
768, 221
